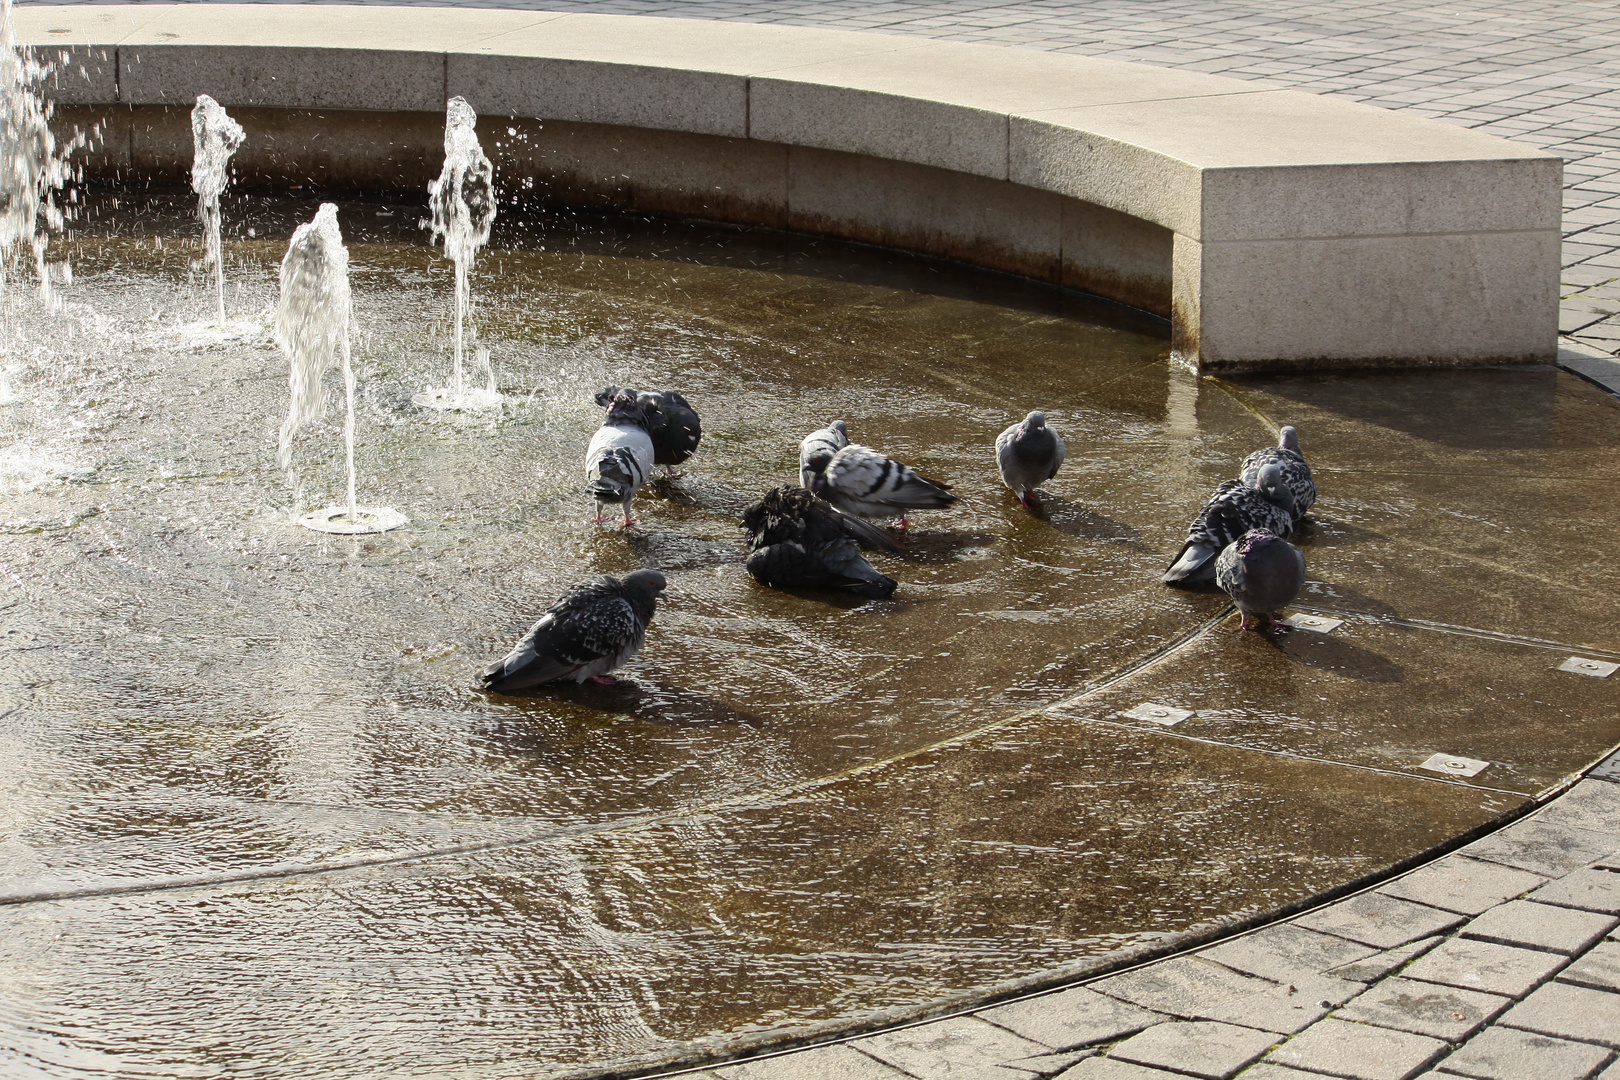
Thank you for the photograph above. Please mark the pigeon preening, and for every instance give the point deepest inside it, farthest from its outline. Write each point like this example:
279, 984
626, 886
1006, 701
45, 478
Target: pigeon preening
672, 424
1296, 473
1233, 510
593, 629
818, 448
796, 540
1028, 455
1261, 573
620, 456
858, 480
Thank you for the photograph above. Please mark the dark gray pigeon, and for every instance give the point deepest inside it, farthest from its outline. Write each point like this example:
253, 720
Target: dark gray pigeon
672, 424
1296, 473
1028, 455
619, 457
818, 448
593, 629
796, 540
1261, 573
858, 480
1233, 510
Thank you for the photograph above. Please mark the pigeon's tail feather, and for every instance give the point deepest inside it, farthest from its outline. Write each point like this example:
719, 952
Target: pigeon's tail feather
616, 476
866, 534
1193, 563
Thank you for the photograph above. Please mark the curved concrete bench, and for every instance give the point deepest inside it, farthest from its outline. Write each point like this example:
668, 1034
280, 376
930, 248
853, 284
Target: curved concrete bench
1276, 230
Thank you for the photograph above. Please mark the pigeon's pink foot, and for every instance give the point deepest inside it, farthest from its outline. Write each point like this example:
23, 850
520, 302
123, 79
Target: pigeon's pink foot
604, 680
902, 525
629, 521
598, 515
1243, 621
672, 473
1271, 621
1026, 502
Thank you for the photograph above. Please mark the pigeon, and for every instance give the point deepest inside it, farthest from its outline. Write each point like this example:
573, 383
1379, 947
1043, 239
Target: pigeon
672, 424
859, 480
818, 448
594, 628
620, 456
1029, 455
1261, 572
1296, 473
796, 540
1233, 510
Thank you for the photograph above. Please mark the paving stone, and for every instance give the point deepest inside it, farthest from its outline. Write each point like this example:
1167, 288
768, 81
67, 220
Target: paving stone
1571, 1012
1268, 1071
838, 1062
1541, 926
1446, 1012
1070, 1018
1359, 1051
1599, 968
1287, 1008
1485, 965
1590, 804
1049, 1064
1199, 1048
1181, 986
1382, 963
1499, 1053
1611, 1073
1466, 886
1542, 847
1101, 1068
1286, 951
961, 1048
1380, 921
1590, 890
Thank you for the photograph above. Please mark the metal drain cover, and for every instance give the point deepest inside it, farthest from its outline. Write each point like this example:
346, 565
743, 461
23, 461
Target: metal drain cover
1164, 715
1320, 624
1580, 665
1452, 765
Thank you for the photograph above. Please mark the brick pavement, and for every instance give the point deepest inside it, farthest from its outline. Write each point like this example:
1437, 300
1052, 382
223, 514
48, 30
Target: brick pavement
1543, 73
1500, 961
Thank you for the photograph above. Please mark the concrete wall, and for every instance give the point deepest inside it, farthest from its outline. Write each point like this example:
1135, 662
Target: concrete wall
1276, 229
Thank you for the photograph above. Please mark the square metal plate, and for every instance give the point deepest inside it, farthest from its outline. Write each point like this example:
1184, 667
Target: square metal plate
1452, 765
1581, 665
1164, 715
1320, 624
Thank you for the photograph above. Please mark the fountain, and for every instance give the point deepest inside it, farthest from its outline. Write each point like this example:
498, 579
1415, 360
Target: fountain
215, 138
32, 167
312, 328
463, 204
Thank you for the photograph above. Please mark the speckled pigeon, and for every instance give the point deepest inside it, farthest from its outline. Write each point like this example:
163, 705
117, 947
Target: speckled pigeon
859, 480
1028, 455
796, 540
593, 629
620, 456
818, 448
1261, 573
672, 424
1296, 473
1233, 510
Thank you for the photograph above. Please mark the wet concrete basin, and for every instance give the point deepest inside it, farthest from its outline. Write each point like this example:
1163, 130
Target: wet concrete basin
247, 788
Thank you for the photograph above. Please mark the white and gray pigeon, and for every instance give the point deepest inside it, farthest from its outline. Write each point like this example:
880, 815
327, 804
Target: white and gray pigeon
1261, 573
1233, 510
1296, 473
592, 629
1028, 455
818, 448
859, 480
672, 424
619, 457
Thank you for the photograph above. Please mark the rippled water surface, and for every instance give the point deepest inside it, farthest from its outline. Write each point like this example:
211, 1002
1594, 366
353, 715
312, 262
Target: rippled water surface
255, 821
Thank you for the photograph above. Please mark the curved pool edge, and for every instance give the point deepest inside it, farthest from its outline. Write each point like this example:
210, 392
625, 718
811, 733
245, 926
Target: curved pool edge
758, 1046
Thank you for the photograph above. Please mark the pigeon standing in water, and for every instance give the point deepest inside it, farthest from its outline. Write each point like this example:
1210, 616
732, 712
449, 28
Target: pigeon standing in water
796, 540
672, 424
1233, 510
859, 480
620, 456
1296, 473
591, 630
818, 448
1261, 573
1028, 455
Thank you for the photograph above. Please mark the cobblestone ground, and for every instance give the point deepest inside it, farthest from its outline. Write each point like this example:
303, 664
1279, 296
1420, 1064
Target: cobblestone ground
1500, 961
1543, 73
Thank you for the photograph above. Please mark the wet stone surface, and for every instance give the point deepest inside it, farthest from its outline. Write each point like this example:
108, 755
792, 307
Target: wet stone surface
248, 787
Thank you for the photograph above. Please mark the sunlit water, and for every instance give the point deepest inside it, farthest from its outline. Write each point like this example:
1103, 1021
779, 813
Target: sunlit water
798, 810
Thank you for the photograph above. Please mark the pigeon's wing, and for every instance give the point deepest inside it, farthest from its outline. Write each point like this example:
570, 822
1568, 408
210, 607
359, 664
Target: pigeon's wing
860, 530
1229, 573
866, 477
1059, 452
1296, 474
1222, 520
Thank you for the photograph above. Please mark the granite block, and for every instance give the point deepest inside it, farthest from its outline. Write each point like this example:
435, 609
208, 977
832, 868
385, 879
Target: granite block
1499, 1053
1463, 885
1542, 847
1287, 1008
837, 1062
1485, 965
1598, 968
1569, 1012
1070, 1018
1589, 889
1541, 926
1380, 921
1199, 1048
1591, 804
1380, 964
1358, 1051
961, 1048
1181, 986
1446, 1012
1286, 951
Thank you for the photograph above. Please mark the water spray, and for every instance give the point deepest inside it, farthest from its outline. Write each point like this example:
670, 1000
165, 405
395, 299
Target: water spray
215, 137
